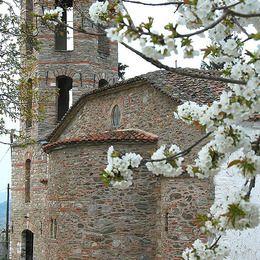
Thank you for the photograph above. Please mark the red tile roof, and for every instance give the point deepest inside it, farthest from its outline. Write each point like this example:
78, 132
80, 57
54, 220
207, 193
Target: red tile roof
179, 87
127, 135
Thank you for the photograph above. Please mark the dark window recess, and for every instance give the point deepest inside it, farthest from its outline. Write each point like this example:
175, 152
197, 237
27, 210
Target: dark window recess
28, 114
102, 83
54, 227
27, 181
64, 35
103, 43
27, 245
64, 85
61, 37
64, 3
28, 27
116, 116
166, 221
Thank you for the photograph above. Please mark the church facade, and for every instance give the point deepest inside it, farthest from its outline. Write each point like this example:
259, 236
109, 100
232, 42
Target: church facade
60, 208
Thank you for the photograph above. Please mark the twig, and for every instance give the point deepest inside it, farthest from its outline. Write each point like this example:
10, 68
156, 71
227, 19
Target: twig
251, 186
5, 143
215, 243
212, 25
153, 4
244, 15
181, 71
182, 153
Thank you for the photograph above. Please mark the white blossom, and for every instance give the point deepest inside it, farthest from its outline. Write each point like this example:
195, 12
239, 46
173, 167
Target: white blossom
97, 12
118, 172
163, 164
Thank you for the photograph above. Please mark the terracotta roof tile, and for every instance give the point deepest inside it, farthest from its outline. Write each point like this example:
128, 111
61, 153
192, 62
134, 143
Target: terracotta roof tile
128, 135
180, 88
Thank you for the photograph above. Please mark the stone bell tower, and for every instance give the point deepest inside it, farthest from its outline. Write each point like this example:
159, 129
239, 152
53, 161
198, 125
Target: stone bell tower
68, 64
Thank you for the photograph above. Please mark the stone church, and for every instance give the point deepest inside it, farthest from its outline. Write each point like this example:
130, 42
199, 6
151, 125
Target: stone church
60, 208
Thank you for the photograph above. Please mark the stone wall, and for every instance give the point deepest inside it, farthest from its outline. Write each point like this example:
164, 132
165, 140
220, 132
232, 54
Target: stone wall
182, 199
30, 215
141, 106
95, 222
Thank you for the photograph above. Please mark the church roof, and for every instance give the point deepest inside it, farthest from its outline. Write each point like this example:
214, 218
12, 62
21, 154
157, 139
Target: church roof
126, 135
180, 88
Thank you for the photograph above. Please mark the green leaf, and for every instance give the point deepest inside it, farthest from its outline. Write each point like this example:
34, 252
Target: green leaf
115, 154
234, 162
255, 36
234, 213
201, 219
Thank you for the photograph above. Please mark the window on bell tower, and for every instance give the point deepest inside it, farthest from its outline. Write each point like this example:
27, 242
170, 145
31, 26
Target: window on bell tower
29, 25
28, 115
64, 84
27, 180
63, 33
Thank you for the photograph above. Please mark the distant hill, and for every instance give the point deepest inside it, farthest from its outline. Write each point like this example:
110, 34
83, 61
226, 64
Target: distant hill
2, 214
2, 196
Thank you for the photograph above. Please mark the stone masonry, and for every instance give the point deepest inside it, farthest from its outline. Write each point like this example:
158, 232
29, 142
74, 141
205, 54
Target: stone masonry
71, 215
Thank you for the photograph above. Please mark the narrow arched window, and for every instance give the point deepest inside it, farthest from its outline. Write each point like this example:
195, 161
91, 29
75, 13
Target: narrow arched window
28, 114
28, 26
53, 228
27, 181
103, 43
102, 83
63, 33
116, 116
64, 84
27, 245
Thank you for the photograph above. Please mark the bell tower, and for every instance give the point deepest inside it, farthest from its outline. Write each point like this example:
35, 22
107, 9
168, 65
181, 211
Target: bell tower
71, 60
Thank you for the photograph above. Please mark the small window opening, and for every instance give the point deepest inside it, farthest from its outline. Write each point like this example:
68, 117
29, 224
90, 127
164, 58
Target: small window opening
103, 43
27, 245
65, 95
27, 183
102, 83
28, 114
29, 25
166, 221
63, 33
116, 116
54, 227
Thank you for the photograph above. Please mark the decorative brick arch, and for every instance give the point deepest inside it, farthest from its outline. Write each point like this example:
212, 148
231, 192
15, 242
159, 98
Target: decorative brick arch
103, 76
65, 71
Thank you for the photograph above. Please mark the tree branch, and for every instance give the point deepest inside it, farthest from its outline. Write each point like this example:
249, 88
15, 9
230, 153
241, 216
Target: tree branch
215, 243
205, 28
153, 4
182, 153
181, 71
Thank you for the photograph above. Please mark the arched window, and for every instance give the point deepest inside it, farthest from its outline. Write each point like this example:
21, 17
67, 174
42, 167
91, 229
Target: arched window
102, 83
28, 115
103, 42
53, 229
27, 245
64, 84
116, 116
64, 34
27, 181
29, 23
